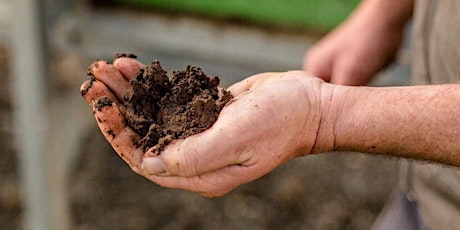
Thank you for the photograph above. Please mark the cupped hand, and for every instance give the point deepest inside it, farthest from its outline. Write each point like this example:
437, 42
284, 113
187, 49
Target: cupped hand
273, 118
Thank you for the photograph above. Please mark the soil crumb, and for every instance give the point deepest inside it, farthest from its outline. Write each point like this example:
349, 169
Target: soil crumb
103, 102
161, 108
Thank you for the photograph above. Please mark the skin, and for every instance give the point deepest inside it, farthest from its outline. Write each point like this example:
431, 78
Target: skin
364, 44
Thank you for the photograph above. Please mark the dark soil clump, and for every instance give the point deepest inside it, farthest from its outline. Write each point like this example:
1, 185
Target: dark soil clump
161, 108
103, 102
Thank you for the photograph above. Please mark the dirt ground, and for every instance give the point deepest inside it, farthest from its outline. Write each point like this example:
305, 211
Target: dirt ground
330, 191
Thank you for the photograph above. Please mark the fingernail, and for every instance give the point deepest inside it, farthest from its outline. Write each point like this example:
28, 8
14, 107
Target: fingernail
153, 166
84, 88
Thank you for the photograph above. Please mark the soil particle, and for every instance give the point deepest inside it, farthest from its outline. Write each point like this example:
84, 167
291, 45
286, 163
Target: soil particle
102, 102
125, 55
111, 133
162, 108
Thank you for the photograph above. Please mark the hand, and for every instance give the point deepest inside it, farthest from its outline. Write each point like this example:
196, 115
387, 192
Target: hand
274, 117
357, 50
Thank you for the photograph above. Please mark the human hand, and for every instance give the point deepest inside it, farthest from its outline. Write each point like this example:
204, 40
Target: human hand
274, 117
356, 51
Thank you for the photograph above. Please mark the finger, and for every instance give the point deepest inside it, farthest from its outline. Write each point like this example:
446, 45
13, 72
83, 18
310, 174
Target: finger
93, 89
318, 66
192, 156
122, 138
111, 77
128, 66
213, 184
349, 73
345, 79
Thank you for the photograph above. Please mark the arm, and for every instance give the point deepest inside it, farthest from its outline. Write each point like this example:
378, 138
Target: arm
420, 122
364, 44
278, 116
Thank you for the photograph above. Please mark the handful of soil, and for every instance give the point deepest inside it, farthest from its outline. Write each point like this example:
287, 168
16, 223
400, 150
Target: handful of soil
161, 108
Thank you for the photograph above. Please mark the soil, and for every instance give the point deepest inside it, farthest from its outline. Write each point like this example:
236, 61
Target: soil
161, 108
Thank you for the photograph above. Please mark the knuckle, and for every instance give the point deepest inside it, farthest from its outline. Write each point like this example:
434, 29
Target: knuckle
179, 162
179, 165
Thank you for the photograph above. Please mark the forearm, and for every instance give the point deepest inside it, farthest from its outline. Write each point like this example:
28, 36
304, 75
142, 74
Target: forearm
420, 122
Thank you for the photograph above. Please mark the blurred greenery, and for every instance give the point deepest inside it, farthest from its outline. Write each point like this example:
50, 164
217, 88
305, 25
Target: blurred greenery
308, 15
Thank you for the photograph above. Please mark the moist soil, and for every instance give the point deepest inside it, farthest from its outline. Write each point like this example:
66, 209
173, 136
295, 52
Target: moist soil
161, 108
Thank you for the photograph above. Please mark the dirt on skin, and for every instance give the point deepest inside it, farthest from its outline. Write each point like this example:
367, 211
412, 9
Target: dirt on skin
161, 108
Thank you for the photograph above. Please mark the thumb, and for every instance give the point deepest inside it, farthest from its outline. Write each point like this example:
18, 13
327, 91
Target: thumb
192, 156
318, 66
351, 74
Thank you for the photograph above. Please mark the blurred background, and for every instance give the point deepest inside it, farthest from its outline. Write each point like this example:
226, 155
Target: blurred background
58, 172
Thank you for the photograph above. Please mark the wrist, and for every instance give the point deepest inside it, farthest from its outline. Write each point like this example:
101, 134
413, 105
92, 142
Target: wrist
336, 101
